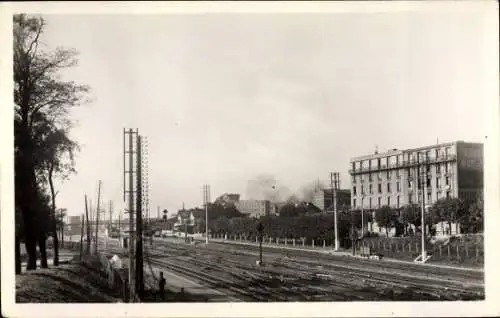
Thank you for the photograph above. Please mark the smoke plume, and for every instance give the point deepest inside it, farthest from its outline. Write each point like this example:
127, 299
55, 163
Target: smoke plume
266, 187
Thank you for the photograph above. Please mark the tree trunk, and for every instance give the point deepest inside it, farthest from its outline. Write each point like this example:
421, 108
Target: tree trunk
43, 250
27, 187
387, 231
31, 250
449, 226
53, 219
30, 236
18, 255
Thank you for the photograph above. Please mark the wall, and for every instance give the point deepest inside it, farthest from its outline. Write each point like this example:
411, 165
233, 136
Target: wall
470, 169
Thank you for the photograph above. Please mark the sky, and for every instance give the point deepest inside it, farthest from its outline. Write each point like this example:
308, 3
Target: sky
228, 98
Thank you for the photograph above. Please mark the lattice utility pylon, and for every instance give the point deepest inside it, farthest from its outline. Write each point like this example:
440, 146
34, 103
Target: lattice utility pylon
145, 179
129, 196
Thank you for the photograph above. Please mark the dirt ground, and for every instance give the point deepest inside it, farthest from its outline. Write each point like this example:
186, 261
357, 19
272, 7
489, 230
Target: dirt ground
67, 283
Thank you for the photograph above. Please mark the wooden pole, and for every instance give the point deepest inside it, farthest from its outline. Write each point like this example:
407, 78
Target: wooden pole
81, 237
62, 229
97, 216
87, 226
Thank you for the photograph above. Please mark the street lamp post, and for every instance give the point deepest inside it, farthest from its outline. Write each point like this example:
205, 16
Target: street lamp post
424, 177
420, 178
206, 199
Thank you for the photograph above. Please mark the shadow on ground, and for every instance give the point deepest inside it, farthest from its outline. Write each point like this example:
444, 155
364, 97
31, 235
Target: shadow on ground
153, 296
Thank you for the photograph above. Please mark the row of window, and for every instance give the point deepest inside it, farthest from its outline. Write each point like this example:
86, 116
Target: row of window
396, 159
437, 184
398, 201
379, 201
439, 168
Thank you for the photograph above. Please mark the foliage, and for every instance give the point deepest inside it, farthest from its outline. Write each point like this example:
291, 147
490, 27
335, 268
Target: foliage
474, 222
411, 214
385, 217
199, 226
318, 227
42, 103
297, 208
450, 210
217, 210
358, 219
291, 209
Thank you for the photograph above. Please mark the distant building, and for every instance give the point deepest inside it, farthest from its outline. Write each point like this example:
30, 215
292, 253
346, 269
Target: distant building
190, 220
254, 208
323, 199
447, 170
74, 225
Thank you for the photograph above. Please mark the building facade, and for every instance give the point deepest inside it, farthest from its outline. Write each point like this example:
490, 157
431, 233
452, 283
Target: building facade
447, 170
323, 199
74, 225
254, 208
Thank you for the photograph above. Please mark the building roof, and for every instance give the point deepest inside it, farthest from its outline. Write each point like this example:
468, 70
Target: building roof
393, 152
172, 219
185, 214
329, 191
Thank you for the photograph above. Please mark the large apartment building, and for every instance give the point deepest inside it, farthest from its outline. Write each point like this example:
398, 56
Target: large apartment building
446, 170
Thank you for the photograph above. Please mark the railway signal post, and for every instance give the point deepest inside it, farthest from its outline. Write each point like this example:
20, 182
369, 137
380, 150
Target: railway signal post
260, 228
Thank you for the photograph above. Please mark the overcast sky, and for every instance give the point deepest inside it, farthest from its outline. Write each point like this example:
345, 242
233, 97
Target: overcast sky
224, 98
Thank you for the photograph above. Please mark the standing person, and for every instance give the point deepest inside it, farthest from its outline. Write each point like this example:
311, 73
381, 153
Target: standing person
162, 286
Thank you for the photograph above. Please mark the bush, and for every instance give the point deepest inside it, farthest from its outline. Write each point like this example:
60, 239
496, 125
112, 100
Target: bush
317, 227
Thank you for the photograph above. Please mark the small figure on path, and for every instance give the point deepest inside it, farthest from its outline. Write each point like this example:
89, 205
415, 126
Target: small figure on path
162, 286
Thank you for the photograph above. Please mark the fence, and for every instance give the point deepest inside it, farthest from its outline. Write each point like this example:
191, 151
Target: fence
461, 251
457, 251
117, 278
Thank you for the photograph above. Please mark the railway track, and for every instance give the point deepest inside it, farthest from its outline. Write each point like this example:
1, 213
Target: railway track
464, 274
423, 285
298, 278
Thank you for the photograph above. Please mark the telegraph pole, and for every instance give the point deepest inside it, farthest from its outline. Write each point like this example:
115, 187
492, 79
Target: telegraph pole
206, 200
424, 187
81, 236
334, 180
120, 228
91, 211
110, 223
97, 216
88, 226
